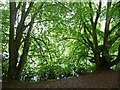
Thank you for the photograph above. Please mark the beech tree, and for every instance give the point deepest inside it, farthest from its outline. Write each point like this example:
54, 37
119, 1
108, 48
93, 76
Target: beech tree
102, 56
99, 41
17, 36
23, 15
53, 33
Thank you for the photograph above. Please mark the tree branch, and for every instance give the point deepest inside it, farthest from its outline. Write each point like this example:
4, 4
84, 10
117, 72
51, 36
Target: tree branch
74, 51
23, 12
28, 10
88, 29
107, 24
43, 55
26, 43
98, 13
117, 59
117, 3
44, 44
46, 20
65, 6
75, 39
19, 34
89, 42
34, 15
20, 28
91, 60
18, 6
113, 40
24, 55
117, 25
91, 19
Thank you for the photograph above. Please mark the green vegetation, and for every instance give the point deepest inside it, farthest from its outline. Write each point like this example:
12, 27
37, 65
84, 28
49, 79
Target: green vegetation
53, 40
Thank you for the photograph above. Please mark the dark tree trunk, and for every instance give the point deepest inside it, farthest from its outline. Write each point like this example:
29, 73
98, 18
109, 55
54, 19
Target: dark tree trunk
12, 65
103, 65
15, 41
106, 63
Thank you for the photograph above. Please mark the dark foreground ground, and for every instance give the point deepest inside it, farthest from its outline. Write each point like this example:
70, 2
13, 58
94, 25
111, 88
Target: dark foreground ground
100, 79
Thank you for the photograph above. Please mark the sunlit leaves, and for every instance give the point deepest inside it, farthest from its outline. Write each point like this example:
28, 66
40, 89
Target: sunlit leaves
50, 55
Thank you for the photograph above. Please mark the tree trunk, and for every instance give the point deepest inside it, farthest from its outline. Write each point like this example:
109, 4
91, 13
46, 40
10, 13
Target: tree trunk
103, 65
15, 41
12, 65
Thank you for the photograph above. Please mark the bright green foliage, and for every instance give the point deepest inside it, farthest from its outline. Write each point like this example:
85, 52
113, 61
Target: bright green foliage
57, 47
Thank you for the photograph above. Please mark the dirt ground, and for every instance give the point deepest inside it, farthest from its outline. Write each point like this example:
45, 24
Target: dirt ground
100, 79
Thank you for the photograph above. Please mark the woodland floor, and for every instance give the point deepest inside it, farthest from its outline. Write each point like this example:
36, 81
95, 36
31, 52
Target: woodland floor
100, 79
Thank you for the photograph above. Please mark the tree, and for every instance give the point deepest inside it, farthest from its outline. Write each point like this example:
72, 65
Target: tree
68, 33
20, 36
104, 61
17, 37
87, 16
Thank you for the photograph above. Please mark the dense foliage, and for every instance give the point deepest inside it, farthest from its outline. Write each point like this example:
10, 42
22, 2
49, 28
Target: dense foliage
59, 42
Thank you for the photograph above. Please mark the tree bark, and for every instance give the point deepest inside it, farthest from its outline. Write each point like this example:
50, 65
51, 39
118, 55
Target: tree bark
12, 65
14, 71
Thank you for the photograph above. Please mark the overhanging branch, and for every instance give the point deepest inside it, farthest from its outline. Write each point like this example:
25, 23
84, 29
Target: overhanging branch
117, 25
44, 44
65, 6
46, 20
117, 3
42, 53
89, 42
112, 41
74, 51
87, 29
117, 60
75, 39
